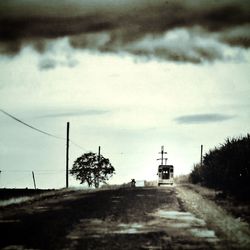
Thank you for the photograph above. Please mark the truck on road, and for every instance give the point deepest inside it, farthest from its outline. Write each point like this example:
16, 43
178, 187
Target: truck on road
165, 175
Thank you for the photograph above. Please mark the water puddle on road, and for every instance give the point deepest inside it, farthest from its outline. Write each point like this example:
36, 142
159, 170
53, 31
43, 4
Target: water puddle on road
116, 199
188, 221
203, 233
174, 224
129, 228
186, 217
144, 195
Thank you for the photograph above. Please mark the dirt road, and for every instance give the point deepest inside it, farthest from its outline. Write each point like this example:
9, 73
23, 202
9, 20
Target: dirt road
139, 218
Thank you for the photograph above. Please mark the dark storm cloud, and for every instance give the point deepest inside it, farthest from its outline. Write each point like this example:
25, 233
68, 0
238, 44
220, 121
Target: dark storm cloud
237, 35
203, 118
121, 26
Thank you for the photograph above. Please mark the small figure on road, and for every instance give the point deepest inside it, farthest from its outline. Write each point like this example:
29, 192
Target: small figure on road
133, 182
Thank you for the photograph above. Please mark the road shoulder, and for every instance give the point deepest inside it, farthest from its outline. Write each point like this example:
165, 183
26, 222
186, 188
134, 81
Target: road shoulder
232, 231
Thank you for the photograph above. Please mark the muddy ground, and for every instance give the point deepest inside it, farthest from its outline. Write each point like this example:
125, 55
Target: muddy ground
125, 218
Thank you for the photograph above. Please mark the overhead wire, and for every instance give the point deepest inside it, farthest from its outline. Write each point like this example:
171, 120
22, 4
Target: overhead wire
16, 171
55, 136
39, 130
32, 127
38, 172
77, 145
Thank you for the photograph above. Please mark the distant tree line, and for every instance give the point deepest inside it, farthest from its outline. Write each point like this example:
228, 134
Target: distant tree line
226, 167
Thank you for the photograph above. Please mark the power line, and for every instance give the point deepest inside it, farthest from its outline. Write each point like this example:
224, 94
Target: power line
39, 130
27, 171
32, 127
77, 145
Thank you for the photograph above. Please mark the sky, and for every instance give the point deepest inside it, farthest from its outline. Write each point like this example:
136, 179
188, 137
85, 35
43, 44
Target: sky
129, 76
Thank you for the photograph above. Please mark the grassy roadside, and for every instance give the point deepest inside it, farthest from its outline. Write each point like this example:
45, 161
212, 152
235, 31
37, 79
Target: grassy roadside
237, 208
232, 232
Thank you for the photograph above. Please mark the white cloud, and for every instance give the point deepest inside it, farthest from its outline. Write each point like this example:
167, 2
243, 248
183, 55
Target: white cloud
185, 45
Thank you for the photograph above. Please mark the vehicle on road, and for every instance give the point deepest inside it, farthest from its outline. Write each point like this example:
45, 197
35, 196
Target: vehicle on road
165, 175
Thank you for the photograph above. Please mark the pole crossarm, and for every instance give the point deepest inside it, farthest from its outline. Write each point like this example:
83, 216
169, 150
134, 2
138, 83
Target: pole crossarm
162, 154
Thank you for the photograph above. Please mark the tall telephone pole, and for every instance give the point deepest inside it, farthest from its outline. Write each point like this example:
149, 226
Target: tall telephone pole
34, 180
162, 156
99, 154
67, 157
201, 155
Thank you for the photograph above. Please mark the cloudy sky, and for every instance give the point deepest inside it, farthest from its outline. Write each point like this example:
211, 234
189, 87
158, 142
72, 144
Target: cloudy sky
129, 76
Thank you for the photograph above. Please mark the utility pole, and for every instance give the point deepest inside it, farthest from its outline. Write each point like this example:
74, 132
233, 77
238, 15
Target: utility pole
67, 157
34, 180
99, 154
201, 155
162, 154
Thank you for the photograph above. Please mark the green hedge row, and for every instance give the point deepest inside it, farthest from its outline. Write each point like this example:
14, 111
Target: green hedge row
226, 167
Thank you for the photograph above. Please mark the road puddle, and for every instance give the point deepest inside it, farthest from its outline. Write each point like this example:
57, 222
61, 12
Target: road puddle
144, 195
41, 208
204, 233
172, 223
186, 217
180, 225
188, 221
129, 228
116, 199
